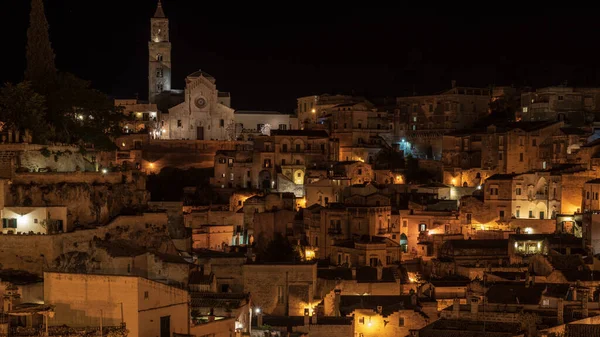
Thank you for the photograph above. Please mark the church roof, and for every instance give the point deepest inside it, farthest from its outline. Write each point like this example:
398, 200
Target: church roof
159, 11
201, 73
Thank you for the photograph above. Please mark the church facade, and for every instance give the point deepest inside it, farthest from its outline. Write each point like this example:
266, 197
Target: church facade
203, 113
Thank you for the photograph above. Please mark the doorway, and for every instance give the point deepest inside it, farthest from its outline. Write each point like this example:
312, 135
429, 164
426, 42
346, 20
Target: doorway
165, 326
200, 133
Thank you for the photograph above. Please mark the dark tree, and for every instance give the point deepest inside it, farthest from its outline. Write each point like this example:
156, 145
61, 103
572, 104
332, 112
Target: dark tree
279, 250
80, 113
22, 109
40, 69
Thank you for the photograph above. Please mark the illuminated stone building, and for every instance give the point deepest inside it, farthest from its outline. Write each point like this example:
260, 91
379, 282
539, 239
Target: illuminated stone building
200, 111
142, 117
423, 120
312, 108
360, 129
515, 147
577, 105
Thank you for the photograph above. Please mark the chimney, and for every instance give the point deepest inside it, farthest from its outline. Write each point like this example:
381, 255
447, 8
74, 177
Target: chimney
584, 305
379, 271
474, 305
354, 273
453, 82
456, 308
560, 310
314, 317
336, 302
306, 316
574, 294
413, 299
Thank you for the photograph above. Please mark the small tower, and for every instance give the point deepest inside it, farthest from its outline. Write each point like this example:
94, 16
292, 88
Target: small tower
159, 52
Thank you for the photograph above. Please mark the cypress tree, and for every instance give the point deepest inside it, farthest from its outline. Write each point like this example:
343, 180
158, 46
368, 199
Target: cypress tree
40, 69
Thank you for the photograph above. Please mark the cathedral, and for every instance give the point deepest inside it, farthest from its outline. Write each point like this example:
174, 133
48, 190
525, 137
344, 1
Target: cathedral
199, 111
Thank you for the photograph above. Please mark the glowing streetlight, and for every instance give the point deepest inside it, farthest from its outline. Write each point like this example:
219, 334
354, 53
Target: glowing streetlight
104, 171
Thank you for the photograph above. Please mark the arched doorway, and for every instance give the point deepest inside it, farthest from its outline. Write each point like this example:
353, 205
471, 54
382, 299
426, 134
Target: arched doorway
403, 243
264, 179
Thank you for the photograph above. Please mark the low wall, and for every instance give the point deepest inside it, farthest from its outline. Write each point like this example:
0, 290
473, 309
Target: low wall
73, 177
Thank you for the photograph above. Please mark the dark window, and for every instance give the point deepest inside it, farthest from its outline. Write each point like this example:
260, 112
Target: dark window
159, 57
534, 142
501, 213
179, 125
145, 295
297, 147
282, 161
222, 123
401, 321
284, 148
359, 171
469, 217
520, 157
499, 155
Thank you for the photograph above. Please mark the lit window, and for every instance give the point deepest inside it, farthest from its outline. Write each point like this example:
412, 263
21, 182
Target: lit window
524, 109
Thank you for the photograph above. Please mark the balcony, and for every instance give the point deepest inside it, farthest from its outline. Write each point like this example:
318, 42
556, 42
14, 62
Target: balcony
382, 231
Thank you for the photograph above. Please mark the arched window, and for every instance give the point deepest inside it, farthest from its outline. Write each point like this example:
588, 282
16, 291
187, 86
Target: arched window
159, 57
403, 243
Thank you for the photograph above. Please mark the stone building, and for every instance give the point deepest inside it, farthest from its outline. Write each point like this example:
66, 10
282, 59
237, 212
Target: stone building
356, 171
515, 147
159, 56
524, 196
198, 112
282, 289
361, 130
371, 251
249, 124
387, 315
143, 117
202, 115
143, 306
311, 108
578, 106
421, 121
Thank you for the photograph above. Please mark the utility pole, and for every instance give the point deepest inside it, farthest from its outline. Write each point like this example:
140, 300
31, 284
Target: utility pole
101, 314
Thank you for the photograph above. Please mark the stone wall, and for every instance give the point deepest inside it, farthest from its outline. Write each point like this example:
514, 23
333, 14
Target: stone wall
89, 197
79, 299
319, 330
35, 253
186, 153
297, 281
571, 190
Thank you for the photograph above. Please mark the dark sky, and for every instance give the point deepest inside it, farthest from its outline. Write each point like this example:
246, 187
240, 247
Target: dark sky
267, 56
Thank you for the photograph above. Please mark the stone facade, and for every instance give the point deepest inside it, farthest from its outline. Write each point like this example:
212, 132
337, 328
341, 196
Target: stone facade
282, 289
81, 300
159, 56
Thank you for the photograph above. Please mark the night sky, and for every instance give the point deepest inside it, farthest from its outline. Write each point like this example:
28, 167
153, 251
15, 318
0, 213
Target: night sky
267, 57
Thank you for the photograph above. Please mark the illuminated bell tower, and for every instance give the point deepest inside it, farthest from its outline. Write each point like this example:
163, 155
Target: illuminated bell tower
159, 52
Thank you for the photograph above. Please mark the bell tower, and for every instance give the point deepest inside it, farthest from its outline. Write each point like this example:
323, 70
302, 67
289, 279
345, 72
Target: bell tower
159, 52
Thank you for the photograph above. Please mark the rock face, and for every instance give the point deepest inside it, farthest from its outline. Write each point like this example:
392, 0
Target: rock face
75, 251
87, 202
